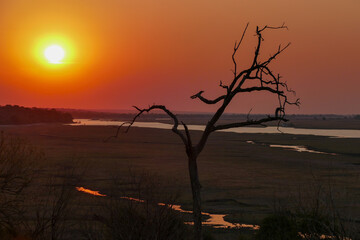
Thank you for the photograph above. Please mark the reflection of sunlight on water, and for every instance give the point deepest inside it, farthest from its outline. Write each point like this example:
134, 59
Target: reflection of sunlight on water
299, 149
337, 133
310, 236
214, 220
133, 199
218, 221
88, 191
294, 147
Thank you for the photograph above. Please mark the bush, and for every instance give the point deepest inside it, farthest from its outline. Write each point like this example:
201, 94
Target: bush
29, 207
208, 236
17, 159
133, 212
316, 213
278, 227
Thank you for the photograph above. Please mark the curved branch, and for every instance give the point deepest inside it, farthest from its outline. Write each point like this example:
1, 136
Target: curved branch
117, 132
205, 100
168, 112
271, 27
224, 86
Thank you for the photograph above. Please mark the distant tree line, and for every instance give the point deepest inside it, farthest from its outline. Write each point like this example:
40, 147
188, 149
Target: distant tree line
14, 114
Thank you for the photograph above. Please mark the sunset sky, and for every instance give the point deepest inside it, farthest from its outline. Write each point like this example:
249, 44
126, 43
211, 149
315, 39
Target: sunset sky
121, 53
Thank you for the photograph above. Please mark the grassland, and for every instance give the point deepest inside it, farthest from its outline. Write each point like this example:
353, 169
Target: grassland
239, 179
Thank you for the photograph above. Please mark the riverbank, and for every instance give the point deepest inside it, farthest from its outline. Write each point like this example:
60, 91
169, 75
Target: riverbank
239, 179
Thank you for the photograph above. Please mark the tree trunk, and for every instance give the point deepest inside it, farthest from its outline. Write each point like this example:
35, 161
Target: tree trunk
195, 188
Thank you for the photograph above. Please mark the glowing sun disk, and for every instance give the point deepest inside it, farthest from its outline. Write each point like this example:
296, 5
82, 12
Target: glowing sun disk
54, 54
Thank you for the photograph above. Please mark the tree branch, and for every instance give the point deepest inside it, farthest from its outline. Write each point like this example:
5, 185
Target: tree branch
273, 56
252, 89
248, 123
224, 86
205, 100
169, 113
117, 131
236, 47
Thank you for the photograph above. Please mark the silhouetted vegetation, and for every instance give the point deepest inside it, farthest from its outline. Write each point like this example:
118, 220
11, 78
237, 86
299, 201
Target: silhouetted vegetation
278, 227
267, 81
144, 213
13, 114
48, 206
17, 159
38, 206
314, 214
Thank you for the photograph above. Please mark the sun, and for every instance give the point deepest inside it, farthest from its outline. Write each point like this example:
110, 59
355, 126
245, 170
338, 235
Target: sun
54, 54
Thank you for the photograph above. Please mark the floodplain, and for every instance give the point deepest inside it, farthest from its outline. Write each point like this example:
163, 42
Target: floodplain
243, 176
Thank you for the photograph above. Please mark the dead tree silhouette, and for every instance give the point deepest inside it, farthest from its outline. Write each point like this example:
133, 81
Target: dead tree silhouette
257, 78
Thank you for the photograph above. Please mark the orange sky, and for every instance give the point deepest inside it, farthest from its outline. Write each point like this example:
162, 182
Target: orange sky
122, 53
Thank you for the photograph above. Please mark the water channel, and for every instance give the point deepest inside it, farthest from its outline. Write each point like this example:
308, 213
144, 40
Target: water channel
335, 133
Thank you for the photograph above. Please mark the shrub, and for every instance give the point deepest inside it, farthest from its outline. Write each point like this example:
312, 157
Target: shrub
133, 211
279, 226
17, 159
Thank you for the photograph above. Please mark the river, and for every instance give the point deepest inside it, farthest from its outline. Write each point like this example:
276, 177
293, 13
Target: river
335, 133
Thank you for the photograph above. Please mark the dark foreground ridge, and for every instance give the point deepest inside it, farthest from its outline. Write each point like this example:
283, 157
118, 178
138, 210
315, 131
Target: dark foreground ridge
14, 114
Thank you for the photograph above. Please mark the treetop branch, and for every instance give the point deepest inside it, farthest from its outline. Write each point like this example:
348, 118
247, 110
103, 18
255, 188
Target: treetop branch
205, 100
169, 113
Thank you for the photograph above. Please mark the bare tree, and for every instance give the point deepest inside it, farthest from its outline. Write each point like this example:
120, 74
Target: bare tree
257, 78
